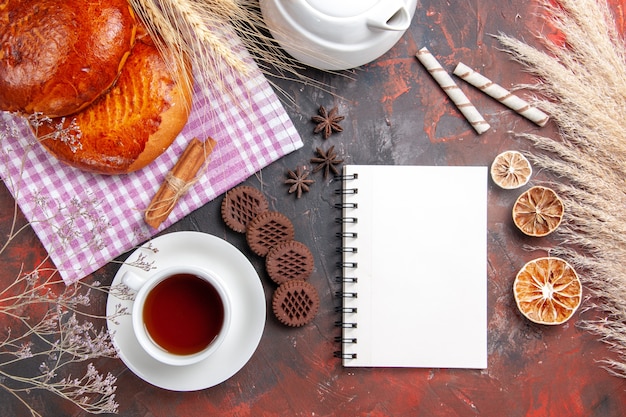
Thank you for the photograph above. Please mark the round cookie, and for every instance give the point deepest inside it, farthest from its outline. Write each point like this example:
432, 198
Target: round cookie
242, 204
288, 261
295, 303
267, 230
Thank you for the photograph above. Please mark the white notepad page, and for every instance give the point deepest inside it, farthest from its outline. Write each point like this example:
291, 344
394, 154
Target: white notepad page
421, 290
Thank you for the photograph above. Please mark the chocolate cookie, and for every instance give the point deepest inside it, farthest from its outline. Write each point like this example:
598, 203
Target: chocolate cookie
295, 303
289, 260
242, 204
267, 230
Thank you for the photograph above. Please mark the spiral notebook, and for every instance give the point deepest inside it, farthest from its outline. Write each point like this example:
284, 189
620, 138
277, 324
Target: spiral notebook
414, 266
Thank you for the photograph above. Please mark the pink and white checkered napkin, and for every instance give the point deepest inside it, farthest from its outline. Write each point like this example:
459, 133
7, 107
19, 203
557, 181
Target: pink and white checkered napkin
85, 220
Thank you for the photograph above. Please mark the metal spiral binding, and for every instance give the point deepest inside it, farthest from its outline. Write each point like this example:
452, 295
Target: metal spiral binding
339, 354
346, 312
342, 220
353, 280
345, 249
340, 339
346, 205
346, 294
347, 191
346, 177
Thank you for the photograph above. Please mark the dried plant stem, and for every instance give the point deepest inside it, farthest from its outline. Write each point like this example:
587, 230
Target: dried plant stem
46, 323
185, 28
205, 32
583, 85
49, 328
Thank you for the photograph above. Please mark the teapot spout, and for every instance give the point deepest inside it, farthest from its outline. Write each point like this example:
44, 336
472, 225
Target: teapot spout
395, 18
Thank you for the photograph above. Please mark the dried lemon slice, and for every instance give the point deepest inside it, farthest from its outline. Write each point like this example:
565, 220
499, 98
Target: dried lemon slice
547, 290
538, 211
510, 170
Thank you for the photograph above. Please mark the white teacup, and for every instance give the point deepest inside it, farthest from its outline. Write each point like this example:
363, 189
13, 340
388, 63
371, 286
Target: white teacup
181, 314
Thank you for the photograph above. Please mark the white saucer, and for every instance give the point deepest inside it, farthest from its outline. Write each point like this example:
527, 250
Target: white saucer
248, 314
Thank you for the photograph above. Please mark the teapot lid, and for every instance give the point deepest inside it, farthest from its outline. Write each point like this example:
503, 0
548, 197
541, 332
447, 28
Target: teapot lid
342, 8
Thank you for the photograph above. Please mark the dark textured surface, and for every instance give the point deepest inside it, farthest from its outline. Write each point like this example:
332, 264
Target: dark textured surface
394, 114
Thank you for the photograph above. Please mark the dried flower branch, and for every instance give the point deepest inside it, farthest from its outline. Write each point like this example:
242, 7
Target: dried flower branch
66, 130
48, 326
583, 81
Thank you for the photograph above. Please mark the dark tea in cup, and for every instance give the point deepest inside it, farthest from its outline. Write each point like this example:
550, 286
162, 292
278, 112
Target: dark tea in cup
183, 313
180, 315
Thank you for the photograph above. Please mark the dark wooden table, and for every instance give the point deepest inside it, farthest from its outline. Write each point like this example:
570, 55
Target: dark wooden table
395, 114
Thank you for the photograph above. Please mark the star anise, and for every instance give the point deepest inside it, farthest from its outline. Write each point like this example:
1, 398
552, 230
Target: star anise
326, 160
327, 122
298, 181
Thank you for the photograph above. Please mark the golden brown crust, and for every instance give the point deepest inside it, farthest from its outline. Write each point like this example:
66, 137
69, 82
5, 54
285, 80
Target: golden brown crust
133, 123
57, 57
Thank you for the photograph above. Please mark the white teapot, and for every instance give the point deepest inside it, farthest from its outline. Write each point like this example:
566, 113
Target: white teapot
337, 34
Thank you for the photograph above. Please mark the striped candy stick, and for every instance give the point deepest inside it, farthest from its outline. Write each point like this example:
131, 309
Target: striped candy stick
452, 90
501, 94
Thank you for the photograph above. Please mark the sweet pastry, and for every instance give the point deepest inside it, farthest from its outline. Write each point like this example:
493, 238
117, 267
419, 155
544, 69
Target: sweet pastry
289, 261
242, 204
57, 57
295, 303
132, 124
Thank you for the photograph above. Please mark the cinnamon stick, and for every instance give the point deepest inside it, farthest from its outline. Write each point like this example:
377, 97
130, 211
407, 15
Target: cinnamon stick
178, 180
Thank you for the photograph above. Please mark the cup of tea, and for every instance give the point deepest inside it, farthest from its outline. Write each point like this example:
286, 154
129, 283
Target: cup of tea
181, 314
